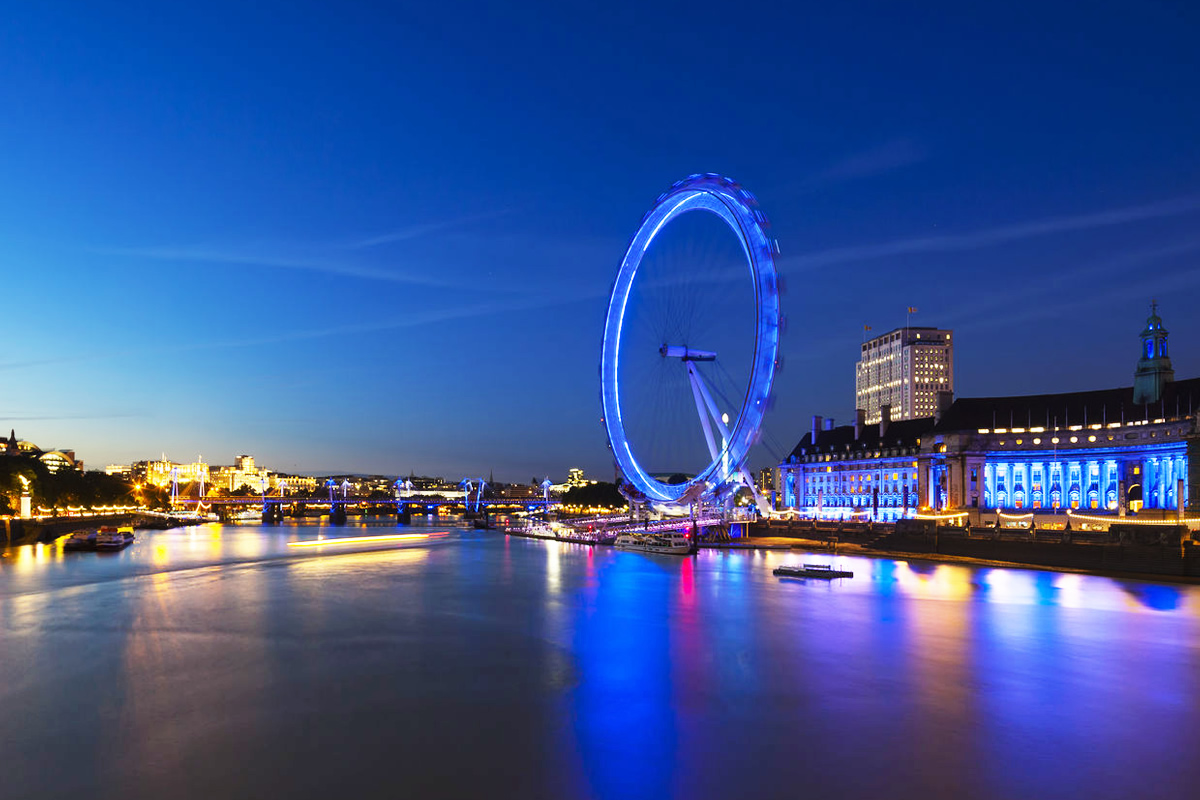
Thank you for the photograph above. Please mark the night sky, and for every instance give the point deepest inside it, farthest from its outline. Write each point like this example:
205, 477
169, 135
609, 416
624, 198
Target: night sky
349, 237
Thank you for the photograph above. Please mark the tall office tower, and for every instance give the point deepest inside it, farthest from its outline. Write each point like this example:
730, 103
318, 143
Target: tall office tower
904, 369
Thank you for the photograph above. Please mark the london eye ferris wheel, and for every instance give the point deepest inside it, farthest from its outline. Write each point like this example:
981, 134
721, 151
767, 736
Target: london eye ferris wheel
690, 346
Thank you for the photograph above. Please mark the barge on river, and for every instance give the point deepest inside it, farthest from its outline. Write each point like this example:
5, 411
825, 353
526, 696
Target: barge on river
825, 571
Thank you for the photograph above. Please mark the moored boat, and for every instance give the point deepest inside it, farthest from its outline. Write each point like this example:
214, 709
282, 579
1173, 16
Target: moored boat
668, 543
81, 540
825, 571
112, 538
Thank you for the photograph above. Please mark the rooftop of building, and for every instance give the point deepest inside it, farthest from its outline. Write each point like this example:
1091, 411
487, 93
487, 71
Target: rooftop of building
911, 334
903, 433
922, 328
1063, 409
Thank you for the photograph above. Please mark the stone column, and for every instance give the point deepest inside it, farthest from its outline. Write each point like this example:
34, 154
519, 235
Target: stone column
1167, 481
1192, 471
1110, 480
1028, 486
1122, 487
956, 480
1160, 484
1086, 489
1149, 482
1182, 473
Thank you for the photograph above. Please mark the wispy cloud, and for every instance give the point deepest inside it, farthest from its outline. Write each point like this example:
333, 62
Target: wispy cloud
416, 318
1006, 304
1098, 291
422, 229
336, 258
328, 266
877, 160
56, 417
978, 240
990, 237
38, 362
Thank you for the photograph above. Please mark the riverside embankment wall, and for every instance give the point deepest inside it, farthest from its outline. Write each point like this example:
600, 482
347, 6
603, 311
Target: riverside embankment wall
30, 531
1172, 555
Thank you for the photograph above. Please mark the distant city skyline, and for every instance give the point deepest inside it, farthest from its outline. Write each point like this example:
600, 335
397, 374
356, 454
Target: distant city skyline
349, 240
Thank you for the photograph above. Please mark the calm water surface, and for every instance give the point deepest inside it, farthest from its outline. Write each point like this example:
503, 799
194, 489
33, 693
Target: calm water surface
216, 661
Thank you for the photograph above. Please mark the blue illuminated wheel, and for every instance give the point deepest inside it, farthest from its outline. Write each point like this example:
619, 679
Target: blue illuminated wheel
731, 420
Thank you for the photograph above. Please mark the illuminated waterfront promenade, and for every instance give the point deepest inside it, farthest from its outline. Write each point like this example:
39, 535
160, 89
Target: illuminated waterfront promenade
220, 662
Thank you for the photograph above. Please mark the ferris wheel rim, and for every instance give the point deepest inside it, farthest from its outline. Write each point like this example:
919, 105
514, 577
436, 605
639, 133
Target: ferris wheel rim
738, 208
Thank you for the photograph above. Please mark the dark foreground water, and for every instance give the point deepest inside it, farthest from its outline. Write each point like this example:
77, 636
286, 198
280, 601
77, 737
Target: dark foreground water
215, 662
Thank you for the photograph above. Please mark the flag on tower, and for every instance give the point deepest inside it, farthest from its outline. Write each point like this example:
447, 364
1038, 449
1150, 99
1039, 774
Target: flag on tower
912, 309
866, 327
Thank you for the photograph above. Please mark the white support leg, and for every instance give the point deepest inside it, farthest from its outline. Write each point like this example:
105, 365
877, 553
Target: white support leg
698, 392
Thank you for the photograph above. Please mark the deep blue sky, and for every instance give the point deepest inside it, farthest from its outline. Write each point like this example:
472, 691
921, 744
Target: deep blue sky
373, 238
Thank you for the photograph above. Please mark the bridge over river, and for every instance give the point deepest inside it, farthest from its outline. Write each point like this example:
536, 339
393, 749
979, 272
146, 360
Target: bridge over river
275, 507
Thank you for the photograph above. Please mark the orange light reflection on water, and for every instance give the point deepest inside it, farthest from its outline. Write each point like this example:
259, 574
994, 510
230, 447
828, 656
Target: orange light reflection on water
943, 581
393, 537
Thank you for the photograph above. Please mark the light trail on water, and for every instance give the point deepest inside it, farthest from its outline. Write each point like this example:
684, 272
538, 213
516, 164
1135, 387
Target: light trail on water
392, 537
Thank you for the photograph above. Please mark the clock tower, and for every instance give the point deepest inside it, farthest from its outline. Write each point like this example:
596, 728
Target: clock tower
1154, 367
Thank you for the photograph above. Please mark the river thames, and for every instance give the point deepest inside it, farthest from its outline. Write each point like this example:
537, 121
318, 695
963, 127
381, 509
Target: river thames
217, 661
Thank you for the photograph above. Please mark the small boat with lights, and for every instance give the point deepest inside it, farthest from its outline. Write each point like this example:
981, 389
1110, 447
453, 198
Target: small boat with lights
113, 538
825, 571
81, 540
676, 544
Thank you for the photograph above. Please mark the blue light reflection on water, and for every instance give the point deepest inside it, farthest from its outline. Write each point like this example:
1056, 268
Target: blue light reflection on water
561, 670
622, 711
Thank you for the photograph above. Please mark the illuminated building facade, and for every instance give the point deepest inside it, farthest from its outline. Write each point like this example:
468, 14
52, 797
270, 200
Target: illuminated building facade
1121, 466
574, 480
232, 478
904, 369
855, 472
295, 483
768, 480
1133, 449
162, 472
54, 460
519, 491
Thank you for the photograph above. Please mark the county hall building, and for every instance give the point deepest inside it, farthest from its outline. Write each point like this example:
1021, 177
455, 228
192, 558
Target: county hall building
1105, 453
